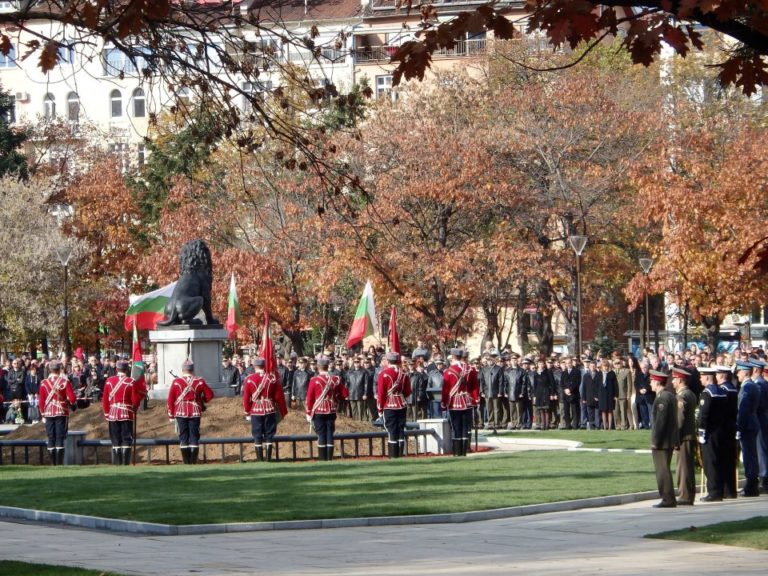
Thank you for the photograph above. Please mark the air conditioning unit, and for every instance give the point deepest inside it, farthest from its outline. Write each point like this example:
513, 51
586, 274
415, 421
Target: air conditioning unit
22, 96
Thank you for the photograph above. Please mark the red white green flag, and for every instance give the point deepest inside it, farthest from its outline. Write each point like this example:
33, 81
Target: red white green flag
233, 309
364, 323
146, 310
137, 367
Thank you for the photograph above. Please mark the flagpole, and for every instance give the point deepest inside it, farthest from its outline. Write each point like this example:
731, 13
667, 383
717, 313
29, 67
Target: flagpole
136, 412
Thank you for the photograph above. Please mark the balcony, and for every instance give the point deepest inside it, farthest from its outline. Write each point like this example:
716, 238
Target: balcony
463, 48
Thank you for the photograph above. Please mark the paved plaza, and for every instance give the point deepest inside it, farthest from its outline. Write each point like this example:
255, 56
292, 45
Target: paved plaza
589, 542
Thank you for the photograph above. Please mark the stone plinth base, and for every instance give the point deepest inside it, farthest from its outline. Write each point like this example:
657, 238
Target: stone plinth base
201, 344
441, 445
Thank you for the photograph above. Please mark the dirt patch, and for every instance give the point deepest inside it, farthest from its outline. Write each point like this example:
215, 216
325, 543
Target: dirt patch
223, 419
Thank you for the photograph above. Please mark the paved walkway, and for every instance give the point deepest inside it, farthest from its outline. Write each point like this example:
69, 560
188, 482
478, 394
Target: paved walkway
584, 542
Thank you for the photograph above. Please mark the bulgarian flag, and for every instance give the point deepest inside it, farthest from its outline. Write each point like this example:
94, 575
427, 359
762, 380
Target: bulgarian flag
146, 310
364, 323
394, 339
233, 309
137, 369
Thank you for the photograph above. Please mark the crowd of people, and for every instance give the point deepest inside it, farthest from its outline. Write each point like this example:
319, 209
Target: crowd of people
718, 400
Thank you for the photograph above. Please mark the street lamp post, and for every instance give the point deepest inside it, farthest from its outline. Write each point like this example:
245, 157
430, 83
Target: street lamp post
64, 252
578, 243
646, 264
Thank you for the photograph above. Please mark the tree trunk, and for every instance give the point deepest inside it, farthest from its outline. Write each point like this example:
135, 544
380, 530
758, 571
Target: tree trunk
522, 301
297, 340
545, 334
712, 326
492, 331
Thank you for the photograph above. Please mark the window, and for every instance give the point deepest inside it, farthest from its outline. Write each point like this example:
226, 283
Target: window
66, 54
117, 63
184, 96
384, 87
139, 107
258, 89
8, 60
141, 155
120, 150
73, 107
10, 114
49, 107
8, 6
115, 104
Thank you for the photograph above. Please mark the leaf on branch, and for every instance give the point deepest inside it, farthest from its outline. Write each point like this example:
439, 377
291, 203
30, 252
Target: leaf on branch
745, 70
49, 56
676, 39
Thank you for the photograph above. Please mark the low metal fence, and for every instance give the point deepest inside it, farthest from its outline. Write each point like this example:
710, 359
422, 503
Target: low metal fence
350, 445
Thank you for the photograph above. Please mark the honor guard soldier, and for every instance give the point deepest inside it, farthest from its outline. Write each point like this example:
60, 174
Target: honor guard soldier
263, 399
324, 394
665, 437
120, 401
57, 398
713, 434
686, 421
748, 426
392, 387
460, 396
186, 403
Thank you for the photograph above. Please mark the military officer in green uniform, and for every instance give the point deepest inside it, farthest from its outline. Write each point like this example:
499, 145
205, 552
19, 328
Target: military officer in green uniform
686, 421
665, 437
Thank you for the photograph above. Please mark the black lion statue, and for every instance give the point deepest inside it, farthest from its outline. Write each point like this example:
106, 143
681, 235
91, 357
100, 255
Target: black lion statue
192, 292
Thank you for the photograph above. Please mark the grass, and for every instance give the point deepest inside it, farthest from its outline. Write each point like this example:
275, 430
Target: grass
749, 533
26, 569
625, 439
291, 491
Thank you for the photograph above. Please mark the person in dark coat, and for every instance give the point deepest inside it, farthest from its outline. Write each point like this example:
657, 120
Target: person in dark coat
713, 434
644, 395
590, 388
300, 383
665, 437
607, 393
748, 426
543, 392
419, 384
357, 385
570, 406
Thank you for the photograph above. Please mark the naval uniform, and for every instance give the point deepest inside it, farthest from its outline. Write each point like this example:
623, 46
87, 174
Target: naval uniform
714, 437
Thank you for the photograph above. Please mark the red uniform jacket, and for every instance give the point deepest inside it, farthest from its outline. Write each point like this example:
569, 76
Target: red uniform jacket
187, 397
460, 387
56, 395
262, 394
324, 393
392, 387
121, 398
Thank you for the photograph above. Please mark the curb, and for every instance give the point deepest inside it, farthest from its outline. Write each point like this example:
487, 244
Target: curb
153, 529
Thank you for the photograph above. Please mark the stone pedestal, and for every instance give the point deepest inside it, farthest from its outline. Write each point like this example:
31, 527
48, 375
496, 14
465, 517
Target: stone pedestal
443, 443
201, 344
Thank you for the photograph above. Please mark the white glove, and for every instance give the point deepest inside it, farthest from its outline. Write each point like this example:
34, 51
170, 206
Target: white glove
738, 435
248, 418
308, 417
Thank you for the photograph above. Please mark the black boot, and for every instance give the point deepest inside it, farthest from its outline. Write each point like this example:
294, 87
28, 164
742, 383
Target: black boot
259, 453
269, 452
329, 452
185, 455
465, 447
751, 488
392, 450
52, 457
764, 485
116, 455
193, 453
322, 453
456, 447
126, 456
400, 449
60, 456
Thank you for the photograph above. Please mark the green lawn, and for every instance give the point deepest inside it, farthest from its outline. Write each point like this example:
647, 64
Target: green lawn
290, 491
750, 533
626, 439
25, 569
